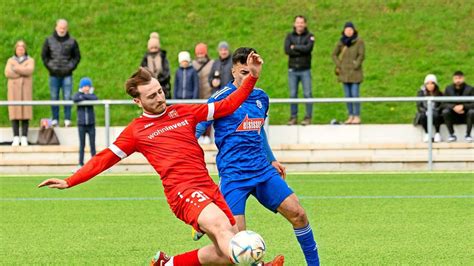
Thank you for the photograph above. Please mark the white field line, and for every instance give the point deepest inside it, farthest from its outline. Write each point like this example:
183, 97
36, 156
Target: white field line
300, 197
289, 173
382, 173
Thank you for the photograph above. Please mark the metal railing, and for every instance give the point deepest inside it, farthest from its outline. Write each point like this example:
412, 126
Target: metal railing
428, 100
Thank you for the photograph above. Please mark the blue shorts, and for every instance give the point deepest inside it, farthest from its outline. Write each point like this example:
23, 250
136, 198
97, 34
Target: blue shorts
270, 192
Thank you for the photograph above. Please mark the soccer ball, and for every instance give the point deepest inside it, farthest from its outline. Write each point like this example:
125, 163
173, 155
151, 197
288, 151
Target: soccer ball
247, 248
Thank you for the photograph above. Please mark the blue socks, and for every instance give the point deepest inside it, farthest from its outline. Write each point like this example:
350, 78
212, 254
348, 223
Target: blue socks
308, 245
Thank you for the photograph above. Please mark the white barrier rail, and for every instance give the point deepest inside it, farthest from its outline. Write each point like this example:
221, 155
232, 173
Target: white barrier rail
428, 100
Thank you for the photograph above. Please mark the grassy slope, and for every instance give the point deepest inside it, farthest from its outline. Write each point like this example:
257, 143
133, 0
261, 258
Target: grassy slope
405, 40
349, 231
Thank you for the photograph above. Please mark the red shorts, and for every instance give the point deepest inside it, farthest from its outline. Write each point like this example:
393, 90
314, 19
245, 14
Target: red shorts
188, 202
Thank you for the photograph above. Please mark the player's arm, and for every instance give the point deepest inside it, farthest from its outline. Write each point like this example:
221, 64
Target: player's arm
266, 147
227, 106
102, 161
122, 147
201, 128
271, 157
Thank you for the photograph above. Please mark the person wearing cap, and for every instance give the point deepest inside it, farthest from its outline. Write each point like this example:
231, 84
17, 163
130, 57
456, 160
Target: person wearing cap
459, 112
155, 60
19, 72
348, 56
203, 64
61, 56
186, 82
221, 71
299, 46
85, 117
430, 88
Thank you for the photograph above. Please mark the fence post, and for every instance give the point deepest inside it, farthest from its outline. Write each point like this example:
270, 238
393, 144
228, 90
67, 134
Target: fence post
430, 135
107, 123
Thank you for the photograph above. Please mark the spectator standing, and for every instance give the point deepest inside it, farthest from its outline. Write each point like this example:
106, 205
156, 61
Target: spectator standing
203, 64
155, 60
299, 46
348, 56
61, 56
186, 83
85, 117
19, 72
221, 71
430, 88
459, 112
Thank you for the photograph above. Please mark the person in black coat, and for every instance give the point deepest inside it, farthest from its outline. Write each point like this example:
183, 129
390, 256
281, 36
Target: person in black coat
221, 71
299, 46
429, 88
61, 56
459, 112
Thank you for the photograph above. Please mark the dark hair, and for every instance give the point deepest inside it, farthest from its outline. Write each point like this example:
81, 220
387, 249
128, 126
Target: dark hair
141, 77
240, 55
300, 16
436, 91
458, 73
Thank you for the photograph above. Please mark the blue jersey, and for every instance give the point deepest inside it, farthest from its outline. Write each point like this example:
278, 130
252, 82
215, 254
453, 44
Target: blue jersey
240, 137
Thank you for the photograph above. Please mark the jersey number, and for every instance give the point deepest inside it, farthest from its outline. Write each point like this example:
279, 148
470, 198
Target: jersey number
199, 195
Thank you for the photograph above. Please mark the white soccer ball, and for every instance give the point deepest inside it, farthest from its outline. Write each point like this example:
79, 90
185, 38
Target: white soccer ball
247, 248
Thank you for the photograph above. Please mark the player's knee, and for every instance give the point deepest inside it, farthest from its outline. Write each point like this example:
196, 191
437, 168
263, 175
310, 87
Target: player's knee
298, 217
221, 226
213, 221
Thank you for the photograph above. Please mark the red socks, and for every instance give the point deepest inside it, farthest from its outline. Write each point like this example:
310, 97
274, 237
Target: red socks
187, 259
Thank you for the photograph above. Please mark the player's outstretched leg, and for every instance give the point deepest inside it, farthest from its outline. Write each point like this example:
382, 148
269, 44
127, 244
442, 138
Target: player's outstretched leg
216, 224
292, 210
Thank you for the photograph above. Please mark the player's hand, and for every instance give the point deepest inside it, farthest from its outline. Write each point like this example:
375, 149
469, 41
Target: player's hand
54, 183
280, 168
254, 62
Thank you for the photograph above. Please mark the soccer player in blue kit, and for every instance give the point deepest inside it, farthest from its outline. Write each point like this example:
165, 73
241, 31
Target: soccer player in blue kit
247, 165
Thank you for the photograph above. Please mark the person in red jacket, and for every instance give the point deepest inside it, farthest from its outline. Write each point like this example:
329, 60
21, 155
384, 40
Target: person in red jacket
165, 136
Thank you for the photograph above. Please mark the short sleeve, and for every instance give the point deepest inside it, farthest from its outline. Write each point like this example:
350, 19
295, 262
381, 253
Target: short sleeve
124, 145
202, 112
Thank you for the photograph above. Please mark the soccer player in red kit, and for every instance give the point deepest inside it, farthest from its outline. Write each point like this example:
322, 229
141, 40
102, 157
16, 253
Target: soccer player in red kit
165, 136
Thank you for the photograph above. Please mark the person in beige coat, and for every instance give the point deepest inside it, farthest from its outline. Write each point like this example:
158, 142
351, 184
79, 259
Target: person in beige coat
203, 65
156, 61
348, 56
19, 72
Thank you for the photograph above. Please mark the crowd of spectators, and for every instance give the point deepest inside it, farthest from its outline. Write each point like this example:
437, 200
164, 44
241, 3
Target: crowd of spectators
202, 76
449, 113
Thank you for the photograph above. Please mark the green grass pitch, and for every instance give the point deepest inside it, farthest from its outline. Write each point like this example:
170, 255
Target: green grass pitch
371, 219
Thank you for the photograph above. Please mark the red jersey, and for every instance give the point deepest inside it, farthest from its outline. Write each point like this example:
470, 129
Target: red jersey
167, 141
